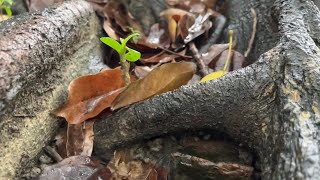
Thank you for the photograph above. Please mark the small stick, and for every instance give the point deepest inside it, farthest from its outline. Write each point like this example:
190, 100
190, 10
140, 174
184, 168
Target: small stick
172, 52
53, 153
228, 169
196, 55
220, 22
254, 30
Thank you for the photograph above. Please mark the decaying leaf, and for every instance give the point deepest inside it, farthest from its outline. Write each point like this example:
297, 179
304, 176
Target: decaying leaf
88, 138
123, 166
162, 79
238, 60
221, 62
214, 52
79, 167
89, 95
75, 139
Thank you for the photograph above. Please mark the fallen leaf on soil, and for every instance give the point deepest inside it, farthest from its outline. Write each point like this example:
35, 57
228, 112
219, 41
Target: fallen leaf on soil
88, 138
123, 166
73, 167
89, 95
220, 63
237, 60
213, 53
160, 80
75, 139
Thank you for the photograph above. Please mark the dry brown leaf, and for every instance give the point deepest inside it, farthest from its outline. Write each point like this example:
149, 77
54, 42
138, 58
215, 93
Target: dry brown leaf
117, 15
161, 57
79, 139
75, 139
219, 64
214, 53
162, 79
91, 94
123, 166
158, 36
173, 15
184, 24
88, 138
71, 168
238, 60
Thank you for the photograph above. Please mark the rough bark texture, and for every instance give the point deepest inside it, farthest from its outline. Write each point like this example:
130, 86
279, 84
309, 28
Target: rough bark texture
39, 55
272, 106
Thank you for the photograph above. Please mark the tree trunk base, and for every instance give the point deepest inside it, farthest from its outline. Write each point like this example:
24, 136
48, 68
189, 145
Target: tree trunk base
39, 55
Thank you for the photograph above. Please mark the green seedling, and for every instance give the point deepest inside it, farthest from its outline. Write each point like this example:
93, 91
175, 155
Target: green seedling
125, 53
5, 5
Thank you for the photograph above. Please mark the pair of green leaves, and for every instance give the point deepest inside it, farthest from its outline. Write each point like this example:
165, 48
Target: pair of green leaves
6, 4
131, 55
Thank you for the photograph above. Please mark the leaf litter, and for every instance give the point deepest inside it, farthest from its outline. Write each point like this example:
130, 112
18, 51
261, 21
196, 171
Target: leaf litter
165, 64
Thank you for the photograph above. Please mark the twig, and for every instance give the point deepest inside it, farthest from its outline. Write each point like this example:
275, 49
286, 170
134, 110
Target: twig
220, 22
196, 55
253, 34
172, 52
53, 153
229, 169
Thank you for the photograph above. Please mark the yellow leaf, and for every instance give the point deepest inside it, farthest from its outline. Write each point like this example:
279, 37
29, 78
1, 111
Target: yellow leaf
214, 75
218, 74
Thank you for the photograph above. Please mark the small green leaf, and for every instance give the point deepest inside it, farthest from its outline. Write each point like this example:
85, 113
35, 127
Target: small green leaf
7, 2
124, 41
8, 11
113, 44
132, 55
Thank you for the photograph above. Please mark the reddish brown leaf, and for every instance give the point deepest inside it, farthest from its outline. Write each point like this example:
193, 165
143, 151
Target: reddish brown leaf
162, 79
184, 24
89, 95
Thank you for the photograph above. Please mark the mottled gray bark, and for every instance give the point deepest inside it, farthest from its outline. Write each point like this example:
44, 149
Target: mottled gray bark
272, 106
39, 55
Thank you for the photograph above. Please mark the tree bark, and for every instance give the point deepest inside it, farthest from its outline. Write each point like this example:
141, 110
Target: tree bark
40, 54
272, 106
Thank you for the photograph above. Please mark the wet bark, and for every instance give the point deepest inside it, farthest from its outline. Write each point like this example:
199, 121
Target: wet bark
272, 106
40, 54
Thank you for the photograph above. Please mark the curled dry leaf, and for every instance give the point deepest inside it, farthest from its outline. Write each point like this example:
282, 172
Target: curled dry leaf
173, 15
160, 80
89, 95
